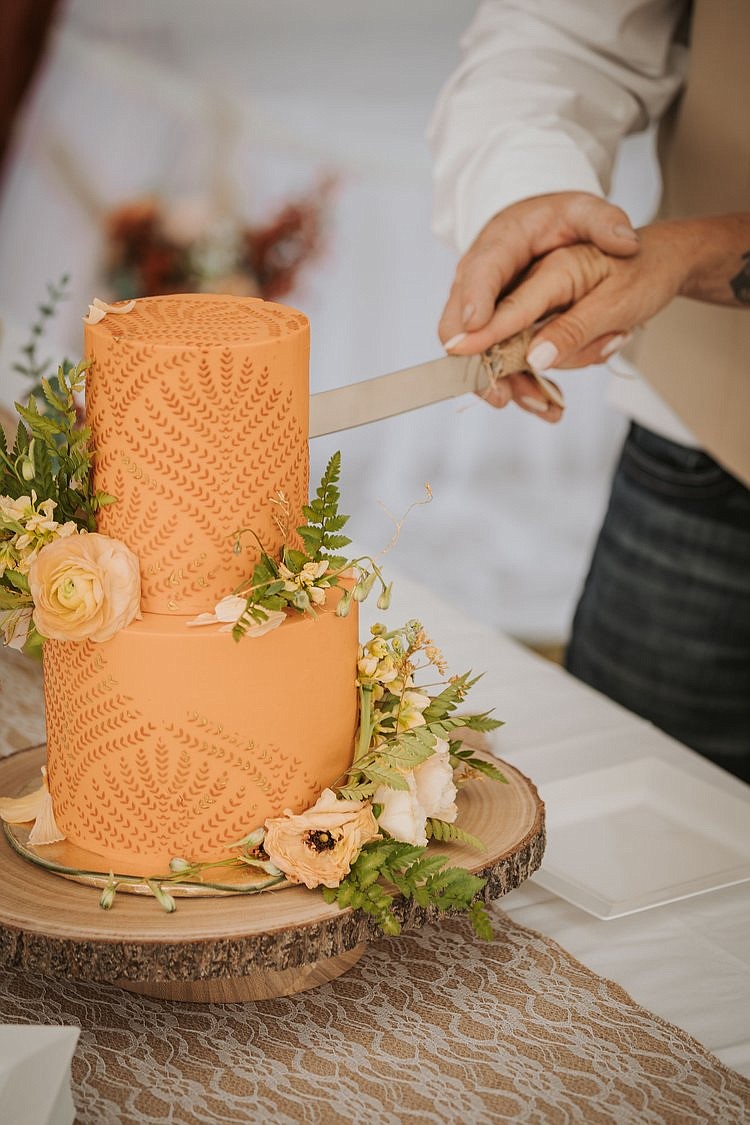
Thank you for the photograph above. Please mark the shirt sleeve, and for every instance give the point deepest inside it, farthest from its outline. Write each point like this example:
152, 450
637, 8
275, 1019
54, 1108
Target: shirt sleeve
545, 92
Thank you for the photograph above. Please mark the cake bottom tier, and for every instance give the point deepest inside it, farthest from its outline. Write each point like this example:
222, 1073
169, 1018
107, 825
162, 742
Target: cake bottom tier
174, 741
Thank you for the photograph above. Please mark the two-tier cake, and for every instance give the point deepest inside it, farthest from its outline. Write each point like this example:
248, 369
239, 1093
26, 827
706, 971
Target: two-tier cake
167, 739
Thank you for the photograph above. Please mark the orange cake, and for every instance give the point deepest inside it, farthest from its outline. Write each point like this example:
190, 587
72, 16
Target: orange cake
169, 740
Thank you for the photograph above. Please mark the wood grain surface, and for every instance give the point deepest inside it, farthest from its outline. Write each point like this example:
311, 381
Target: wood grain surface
53, 926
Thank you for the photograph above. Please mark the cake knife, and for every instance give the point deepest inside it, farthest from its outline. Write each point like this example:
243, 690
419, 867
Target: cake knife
401, 391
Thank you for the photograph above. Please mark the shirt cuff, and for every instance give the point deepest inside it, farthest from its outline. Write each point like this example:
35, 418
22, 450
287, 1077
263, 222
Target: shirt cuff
491, 181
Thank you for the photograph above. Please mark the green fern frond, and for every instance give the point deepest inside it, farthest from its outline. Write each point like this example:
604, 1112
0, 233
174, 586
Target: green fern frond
441, 830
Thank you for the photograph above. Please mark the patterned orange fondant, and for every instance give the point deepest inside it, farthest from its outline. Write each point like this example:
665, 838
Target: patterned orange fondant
198, 406
171, 740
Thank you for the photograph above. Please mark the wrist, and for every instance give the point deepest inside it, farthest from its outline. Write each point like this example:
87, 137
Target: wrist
712, 249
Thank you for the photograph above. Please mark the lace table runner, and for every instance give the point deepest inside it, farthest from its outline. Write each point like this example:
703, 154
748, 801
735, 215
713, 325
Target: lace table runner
429, 1027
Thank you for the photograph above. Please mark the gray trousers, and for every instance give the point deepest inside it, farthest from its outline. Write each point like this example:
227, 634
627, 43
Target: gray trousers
663, 623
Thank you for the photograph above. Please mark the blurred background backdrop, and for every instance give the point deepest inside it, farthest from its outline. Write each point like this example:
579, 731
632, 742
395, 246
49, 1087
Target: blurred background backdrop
279, 148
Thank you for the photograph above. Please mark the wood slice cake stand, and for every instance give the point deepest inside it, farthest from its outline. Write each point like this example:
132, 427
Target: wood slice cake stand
237, 947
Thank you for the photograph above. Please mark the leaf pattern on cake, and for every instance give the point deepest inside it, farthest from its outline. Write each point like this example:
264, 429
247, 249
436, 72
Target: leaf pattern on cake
195, 438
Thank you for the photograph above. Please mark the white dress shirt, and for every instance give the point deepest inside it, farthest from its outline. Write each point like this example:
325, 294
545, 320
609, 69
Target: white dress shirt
545, 92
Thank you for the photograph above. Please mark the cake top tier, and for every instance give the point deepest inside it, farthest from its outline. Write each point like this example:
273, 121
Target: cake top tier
200, 320
198, 407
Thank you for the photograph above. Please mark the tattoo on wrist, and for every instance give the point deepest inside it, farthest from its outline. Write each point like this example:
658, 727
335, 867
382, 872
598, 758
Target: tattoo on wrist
741, 282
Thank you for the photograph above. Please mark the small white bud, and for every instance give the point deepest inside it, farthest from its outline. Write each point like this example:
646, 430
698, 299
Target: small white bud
345, 604
180, 866
257, 836
384, 600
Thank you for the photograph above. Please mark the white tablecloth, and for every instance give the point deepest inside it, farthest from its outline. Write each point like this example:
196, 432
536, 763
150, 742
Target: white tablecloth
688, 961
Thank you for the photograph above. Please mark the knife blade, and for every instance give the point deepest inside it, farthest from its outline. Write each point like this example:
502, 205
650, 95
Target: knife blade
413, 387
396, 393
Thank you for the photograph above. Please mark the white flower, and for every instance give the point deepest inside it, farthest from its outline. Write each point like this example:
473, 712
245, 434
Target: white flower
18, 510
228, 611
99, 309
436, 789
431, 793
15, 625
309, 584
32, 526
413, 703
402, 815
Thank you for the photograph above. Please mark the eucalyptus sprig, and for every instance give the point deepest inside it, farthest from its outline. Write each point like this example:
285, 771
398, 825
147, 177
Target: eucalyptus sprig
30, 365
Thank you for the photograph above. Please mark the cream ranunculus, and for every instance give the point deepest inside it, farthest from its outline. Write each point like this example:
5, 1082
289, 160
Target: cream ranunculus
85, 587
318, 847
402, 815
436, 789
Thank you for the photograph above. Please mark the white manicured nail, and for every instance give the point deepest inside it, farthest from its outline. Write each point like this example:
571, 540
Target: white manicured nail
454, 341
534, 404
551, 391
542, 356
615, 344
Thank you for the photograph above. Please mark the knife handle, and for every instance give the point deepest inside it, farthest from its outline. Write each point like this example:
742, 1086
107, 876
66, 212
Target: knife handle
509, 358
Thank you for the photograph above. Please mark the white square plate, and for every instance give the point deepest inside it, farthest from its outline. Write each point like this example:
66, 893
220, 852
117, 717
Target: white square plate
640, 834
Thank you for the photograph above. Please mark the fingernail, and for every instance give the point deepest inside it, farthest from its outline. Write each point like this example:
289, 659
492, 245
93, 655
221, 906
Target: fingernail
551, 391
622, 230
454, 341
534, 404
542, 355
468, 314
615, 344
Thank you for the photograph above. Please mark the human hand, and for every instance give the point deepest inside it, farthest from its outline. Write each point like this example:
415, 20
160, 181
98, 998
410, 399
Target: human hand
603, 299
506, 246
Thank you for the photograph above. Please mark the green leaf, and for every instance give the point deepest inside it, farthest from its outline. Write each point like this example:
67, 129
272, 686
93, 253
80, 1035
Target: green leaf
18, 581
467, 758
13, 599
324, 519
441, 830
295, 560
481, 722
333, 542
384, 775
52, 395
358, 791
416, 875
22, 440
480, 920
44, 474
311, 536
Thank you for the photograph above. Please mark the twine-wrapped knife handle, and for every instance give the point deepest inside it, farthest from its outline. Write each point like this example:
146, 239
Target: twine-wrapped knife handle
509, 358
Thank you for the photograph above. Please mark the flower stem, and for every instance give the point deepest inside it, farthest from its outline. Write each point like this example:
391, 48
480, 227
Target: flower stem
365, 721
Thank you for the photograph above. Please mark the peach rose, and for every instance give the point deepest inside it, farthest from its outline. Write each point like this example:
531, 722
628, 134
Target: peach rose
85, 587
319, 846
